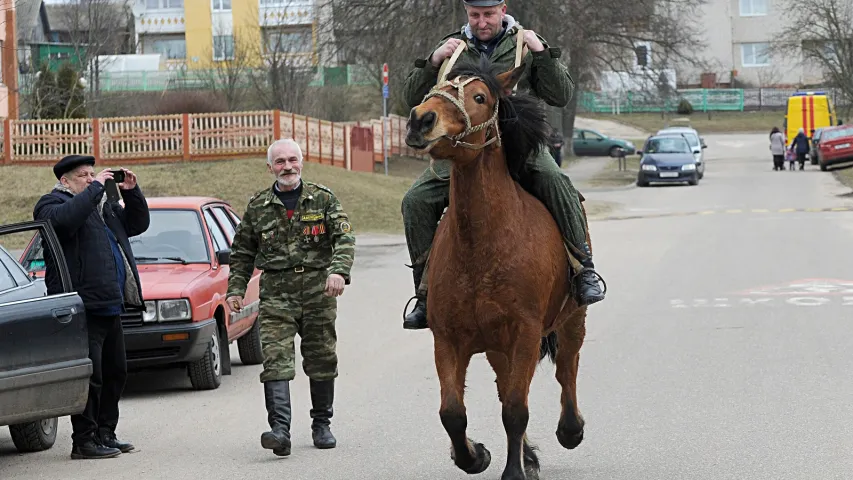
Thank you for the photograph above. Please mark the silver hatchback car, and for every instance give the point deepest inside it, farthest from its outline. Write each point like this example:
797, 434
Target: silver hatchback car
697, 144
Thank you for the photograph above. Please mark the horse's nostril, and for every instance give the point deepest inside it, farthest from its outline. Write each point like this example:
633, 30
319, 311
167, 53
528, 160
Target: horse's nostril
427, 122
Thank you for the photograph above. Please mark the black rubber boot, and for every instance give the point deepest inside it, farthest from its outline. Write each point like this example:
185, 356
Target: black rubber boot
92, 449
108, 439
588, 289
277, 396
417, 319
322, 400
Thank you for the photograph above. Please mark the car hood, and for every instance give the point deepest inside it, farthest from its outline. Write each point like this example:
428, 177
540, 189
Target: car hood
668, 159
168, 281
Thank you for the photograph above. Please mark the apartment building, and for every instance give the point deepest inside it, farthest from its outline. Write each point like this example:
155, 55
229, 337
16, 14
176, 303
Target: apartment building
193, 34
739, 34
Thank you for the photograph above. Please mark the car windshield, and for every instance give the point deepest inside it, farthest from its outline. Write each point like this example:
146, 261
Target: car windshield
174, 235
668, 145
840, 133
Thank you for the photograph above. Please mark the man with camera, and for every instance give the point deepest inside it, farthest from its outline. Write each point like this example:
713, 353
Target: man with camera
93, 229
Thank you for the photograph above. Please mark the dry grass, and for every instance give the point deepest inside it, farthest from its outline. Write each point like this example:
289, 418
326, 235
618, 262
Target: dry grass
719, 122
844, 174
611, 176
371, 200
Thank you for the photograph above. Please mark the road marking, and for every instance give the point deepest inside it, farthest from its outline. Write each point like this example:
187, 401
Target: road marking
809, 292
732, 211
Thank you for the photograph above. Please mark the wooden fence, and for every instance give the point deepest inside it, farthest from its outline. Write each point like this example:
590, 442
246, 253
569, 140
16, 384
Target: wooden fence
200, 137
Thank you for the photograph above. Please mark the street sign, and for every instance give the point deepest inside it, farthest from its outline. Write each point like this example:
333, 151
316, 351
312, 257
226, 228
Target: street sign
385, 74
385, 91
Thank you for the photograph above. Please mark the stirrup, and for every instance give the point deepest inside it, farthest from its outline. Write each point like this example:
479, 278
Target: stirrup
407, 306
597, 275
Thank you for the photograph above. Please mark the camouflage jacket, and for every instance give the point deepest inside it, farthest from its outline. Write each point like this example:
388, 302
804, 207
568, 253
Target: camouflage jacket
544, 76
318, 236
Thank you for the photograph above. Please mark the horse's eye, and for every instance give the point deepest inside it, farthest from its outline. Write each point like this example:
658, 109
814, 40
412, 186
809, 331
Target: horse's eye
480, 98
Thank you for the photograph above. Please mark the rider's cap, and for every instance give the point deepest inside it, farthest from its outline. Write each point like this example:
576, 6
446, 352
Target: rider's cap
483, 3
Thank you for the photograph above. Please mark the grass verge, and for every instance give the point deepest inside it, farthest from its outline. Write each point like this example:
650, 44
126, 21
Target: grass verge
712, 122
844, 175
611, 176
372, 200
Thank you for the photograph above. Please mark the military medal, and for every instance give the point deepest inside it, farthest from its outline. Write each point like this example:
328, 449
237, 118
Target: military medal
314, 231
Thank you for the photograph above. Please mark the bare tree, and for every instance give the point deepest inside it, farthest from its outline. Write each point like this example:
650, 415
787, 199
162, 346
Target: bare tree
95, 28
231, 69
820, 34
594, 36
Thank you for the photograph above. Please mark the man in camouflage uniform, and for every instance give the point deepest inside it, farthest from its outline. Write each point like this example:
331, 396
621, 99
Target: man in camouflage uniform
491, 32
298, 234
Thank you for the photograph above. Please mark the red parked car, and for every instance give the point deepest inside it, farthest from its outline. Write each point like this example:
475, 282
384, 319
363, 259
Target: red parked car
835, 146
183, 262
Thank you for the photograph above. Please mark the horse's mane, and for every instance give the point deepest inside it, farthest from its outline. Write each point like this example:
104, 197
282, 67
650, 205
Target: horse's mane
522, 118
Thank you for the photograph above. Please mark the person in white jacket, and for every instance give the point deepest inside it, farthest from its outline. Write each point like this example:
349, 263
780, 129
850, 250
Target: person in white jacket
777, 148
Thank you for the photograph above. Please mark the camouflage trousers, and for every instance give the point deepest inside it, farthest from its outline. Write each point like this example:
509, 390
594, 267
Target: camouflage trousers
293, 303
427, 198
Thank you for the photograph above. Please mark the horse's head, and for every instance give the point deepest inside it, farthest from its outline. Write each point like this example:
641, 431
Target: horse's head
461, 112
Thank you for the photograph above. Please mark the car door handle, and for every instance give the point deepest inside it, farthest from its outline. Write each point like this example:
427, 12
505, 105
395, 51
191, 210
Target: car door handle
64, 314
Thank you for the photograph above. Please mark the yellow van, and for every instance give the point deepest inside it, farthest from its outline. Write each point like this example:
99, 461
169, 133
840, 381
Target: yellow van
809, 111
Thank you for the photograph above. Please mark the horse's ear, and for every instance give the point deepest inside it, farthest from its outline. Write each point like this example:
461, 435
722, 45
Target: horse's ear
510, 78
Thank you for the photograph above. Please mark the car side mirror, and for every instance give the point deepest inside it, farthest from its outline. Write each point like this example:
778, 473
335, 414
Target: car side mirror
223, 257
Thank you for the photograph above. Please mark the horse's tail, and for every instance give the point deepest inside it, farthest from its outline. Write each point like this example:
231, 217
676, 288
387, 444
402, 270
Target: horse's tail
549, 347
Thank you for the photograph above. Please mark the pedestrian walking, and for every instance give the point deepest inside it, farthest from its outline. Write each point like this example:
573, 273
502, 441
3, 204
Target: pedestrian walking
298, 234
94, 231
777, 148
800, 147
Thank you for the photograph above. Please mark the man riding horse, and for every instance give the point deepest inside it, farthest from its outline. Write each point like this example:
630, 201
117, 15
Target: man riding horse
491, 32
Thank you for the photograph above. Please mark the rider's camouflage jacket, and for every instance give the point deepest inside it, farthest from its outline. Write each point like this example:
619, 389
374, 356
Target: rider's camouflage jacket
544, 75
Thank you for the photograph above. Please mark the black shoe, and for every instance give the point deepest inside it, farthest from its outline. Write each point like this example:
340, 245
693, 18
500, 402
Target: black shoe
322, 399
588, 289
108, 439
277, 398
90, 449
417, 319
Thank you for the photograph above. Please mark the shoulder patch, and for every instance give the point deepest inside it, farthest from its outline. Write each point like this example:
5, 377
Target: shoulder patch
322, 187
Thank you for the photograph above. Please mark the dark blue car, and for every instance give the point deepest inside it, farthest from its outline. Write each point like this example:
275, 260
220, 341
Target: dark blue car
667, 159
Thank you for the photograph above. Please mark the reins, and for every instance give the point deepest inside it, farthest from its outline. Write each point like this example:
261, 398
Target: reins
459, 100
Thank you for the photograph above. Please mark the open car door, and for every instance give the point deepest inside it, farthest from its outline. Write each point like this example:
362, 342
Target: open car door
44, 366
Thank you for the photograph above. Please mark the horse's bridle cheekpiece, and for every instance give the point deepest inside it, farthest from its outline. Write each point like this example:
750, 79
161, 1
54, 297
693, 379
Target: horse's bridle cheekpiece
459, 103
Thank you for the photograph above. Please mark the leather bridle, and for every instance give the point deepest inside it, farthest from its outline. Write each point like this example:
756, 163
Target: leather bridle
459, 102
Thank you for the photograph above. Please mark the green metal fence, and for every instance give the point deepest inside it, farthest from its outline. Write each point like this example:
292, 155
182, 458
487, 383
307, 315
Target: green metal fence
701, 99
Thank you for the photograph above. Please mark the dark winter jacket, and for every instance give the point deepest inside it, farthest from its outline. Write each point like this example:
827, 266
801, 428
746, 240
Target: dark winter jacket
800, 144
79, 225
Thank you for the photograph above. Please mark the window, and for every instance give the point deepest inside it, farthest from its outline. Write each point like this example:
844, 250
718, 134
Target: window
219, 241
6, 282
15, 269
289, 41
224, 222
163, 4
750, 8
221, 5
754, 54
172, 233
223, 47
172, 48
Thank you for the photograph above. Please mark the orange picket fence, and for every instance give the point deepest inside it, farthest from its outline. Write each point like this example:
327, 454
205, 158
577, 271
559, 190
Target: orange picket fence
199, 137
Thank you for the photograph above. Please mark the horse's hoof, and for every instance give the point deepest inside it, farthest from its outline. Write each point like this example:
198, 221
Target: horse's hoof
531, 472
482, 459
569, 440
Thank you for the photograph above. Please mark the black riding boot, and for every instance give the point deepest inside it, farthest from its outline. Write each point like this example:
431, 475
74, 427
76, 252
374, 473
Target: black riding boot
322, 399
277, 396
588, 289
417, 319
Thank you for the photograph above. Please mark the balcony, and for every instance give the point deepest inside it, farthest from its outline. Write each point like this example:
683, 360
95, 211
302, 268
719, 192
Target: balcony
161, 22
273, 13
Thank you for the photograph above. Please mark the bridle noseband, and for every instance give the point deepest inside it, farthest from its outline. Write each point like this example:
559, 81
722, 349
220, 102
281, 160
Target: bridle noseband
459, 103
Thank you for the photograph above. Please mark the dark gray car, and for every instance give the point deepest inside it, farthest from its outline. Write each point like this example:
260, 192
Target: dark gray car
667, 159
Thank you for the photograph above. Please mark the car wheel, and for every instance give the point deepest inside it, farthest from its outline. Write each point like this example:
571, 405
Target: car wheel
823, 168
694, 180
206, 372
249, 345
34, 436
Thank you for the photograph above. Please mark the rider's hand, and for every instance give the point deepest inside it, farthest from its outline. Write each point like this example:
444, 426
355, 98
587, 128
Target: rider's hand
532, 41
444, 51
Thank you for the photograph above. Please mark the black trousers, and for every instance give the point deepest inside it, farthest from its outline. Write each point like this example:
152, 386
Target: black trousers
109, 376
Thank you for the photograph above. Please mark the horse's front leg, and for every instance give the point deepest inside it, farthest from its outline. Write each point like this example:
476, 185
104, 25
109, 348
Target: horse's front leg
452, 366
570, 336
523, 359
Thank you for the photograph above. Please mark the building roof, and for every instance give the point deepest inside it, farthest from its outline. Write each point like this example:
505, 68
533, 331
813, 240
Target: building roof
27, 18
64, 18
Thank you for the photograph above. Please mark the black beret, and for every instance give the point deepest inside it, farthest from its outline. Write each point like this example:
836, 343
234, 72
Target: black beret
70, 163
483, 3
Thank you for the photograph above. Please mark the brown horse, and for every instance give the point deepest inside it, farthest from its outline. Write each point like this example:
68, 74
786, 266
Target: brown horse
498, 281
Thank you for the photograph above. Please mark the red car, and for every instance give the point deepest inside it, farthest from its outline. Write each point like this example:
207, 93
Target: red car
183, 266
835, 146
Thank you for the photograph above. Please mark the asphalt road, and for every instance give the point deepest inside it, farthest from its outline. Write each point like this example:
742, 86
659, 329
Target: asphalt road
718, 354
